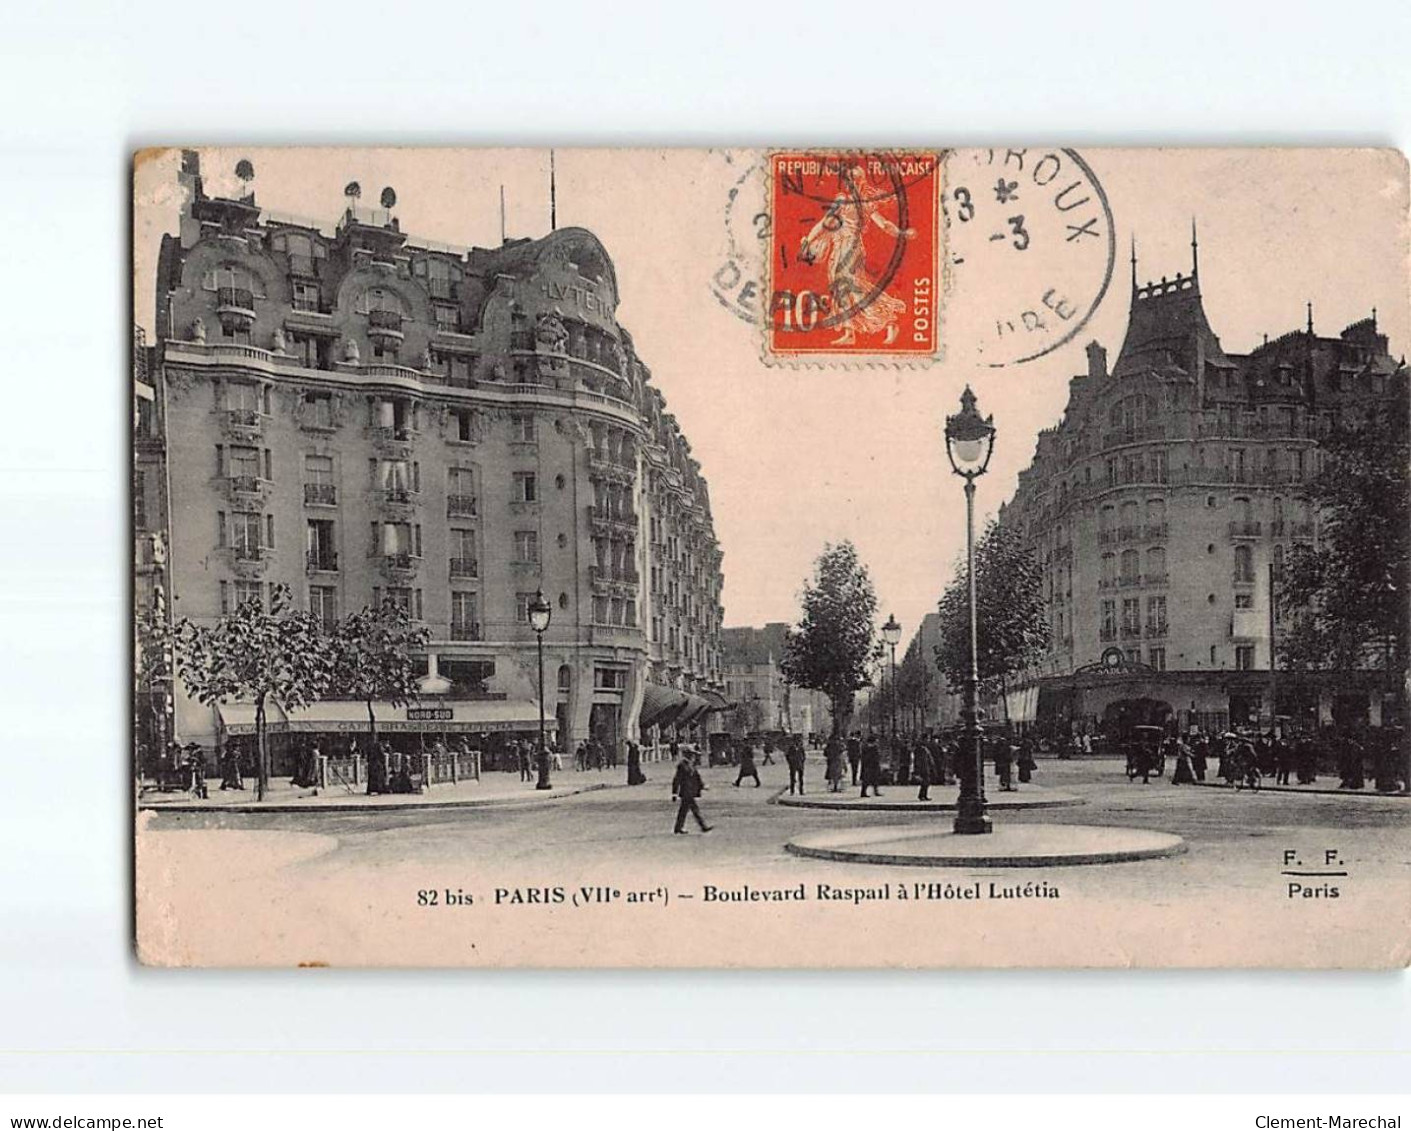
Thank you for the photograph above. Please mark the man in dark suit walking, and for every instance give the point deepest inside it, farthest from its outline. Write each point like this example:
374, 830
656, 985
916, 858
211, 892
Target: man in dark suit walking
687, 786
871, 768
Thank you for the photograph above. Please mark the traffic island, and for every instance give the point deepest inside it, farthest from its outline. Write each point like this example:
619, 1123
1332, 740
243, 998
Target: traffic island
327, 801
902, 799
1012, 846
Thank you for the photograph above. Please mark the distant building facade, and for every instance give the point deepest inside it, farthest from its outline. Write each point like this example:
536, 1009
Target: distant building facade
366, 417
1163, 507
760, 697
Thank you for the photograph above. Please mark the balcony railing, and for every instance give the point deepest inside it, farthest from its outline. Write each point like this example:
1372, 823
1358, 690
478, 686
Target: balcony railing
1156, 578
245, 484
619, 516
399, 495
465, 567
1245, 529
320, 494
460, 506
323, 560
243, 418
247, 553
240, 299
1156, 629
466, 631
385, 321
1241, 578
399, 560
1129, 580
1131, 631
1107, 633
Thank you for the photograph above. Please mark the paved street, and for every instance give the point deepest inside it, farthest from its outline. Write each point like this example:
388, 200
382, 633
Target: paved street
1229, 883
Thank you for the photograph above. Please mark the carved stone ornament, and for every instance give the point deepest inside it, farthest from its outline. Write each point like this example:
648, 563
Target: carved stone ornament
550, 333
427, 360
198, 330
350, 351
281, 343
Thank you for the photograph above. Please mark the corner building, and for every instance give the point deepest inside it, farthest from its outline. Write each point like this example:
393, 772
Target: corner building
366, 417
1163, 507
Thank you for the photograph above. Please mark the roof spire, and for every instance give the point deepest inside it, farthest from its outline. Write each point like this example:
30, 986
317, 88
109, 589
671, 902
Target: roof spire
1134, 262
1374, 318
1310, 319
1195, 252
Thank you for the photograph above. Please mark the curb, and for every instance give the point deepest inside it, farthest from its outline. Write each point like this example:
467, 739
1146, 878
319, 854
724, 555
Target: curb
1300, 791
253, 807
858, 853
927, 806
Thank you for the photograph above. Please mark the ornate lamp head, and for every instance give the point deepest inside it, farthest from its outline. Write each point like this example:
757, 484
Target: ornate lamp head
540, 612
891, 631
970, 438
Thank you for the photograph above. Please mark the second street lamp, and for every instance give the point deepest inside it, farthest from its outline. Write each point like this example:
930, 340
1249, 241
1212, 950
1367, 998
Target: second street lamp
540, 613
891, 633
970, 441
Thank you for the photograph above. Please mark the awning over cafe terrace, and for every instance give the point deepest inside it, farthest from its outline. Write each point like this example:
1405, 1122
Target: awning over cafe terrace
343, 716
660, 705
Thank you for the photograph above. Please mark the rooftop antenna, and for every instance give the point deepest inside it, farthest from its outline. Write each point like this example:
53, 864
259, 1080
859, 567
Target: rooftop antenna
1195, 252
553, 196
502, 215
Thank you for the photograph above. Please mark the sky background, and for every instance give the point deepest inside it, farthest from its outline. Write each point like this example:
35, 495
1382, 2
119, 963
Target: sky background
796, 458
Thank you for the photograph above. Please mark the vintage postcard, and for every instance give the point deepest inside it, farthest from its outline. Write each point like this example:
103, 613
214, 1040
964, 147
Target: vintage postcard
771, 557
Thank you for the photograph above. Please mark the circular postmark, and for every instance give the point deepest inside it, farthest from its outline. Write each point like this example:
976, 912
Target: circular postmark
738, 282
1029, 249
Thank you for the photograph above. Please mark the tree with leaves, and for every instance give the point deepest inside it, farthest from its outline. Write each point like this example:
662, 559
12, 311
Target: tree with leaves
830, 648
373, 657
1011, 629
256, 655
1345, 599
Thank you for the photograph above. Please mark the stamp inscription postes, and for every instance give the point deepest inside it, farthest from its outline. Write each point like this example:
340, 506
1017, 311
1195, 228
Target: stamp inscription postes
853, 240
1030, 243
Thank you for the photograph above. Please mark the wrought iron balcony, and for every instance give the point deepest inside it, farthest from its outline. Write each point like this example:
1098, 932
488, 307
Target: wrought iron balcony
325, 561
1156, 578
461, 630
1127, 581
400, 496
235, 300
1131, 631
385, 322
320, 495
246, 485
465, 567
460, 506
245, 552
1245, 529
1156, 630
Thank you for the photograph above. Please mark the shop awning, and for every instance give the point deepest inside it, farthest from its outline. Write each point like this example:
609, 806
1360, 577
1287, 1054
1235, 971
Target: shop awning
1023, 704
425, 716
660, 705
239, 718
716, 700
696, 706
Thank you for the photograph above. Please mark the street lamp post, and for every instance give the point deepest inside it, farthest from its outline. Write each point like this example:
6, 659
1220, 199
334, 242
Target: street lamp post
540, 613
970, 440
891, 633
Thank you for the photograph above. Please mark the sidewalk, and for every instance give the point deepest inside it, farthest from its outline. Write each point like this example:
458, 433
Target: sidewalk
493, 789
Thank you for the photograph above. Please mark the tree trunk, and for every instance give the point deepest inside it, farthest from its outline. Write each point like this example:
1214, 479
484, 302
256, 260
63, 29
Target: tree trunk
371, 723
262, 751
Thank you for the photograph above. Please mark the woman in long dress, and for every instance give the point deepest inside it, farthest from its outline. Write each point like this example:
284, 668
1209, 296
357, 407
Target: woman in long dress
1185, 772
840, 236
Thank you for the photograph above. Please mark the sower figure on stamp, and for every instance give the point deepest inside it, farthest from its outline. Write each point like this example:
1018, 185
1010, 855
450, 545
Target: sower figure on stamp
841, 236
686, 786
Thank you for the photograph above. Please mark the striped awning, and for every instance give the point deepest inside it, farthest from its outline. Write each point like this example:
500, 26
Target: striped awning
660, 705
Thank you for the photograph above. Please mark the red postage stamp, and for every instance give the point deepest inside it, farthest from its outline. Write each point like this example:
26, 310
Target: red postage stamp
853, 255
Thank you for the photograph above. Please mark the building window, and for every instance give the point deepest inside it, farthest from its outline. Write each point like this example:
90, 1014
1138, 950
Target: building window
306, 297
526, 487
1156, 566
323, 604
465, 425
318, 410
448, 319
1244, 657
1244, 565
240, 396
249, 591
1131, 616
610, 679
465, 616
522, 428
526, 545
1131, 566
1156, 614
139, 501
1244, 600
521, 607
1109, 570
245, 535
320, 547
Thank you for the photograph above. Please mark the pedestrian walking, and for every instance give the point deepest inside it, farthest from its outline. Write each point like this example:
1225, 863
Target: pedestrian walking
834, 756
1199, 755
871, 768
1004, 764
924, 769
1283, 761
768, 752
794, 756
634, 765
1027, 765
686, 787
1184, 773
854, 754
747, 766
525, 762
377, 762
228, 759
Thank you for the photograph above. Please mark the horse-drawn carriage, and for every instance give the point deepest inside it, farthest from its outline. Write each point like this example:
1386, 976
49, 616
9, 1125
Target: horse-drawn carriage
1145, 751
